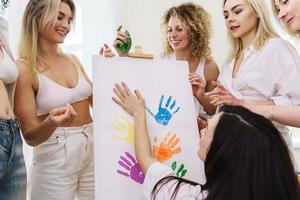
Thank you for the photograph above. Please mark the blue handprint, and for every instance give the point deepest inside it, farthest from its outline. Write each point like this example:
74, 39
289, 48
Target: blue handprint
164, 115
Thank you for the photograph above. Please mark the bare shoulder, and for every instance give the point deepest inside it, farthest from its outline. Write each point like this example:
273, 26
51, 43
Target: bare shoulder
211, 70
23, 66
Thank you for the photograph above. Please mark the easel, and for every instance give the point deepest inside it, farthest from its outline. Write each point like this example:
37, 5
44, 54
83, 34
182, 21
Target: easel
138, 53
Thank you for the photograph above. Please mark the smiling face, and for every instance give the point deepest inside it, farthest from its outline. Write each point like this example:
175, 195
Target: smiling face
240, 18
57, 32
206, 136
177, 34
289, 13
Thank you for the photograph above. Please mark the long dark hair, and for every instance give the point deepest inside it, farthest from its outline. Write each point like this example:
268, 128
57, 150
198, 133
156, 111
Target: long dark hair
248, 159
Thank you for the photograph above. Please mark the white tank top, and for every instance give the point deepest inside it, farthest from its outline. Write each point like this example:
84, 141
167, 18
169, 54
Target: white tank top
52, 95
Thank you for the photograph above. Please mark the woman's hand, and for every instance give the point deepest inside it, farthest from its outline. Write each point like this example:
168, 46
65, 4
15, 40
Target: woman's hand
221, 96
133, 105
198, 84
106, 51
62, 116
121, 38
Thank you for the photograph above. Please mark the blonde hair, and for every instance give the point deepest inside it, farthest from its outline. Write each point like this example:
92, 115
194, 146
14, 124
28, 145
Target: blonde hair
264, 32
197, 21
286, 27
38, 15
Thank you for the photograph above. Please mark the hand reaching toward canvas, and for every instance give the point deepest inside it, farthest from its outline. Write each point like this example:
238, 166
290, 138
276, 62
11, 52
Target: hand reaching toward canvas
167, 147
164, 114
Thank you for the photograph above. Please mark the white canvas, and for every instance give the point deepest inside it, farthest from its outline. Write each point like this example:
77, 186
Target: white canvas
117, 175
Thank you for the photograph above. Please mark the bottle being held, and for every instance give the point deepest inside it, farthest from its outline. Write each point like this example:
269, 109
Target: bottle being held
123, 42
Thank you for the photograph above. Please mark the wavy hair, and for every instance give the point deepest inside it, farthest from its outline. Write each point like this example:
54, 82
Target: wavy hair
38, 15
198, 23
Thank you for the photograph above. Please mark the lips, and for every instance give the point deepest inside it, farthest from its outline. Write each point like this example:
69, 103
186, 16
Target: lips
233, 28
62, 33
175, 42
290, 20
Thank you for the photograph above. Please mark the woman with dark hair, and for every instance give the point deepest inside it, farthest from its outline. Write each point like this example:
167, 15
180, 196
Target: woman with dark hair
12, 165
244, 155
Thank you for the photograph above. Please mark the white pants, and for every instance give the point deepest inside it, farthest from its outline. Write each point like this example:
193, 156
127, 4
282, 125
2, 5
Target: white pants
63, 166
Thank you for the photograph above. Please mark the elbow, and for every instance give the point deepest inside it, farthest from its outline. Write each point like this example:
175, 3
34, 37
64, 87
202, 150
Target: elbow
30, 140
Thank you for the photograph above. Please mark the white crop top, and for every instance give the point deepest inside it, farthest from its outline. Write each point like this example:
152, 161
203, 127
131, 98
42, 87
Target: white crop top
52, 95
8, 69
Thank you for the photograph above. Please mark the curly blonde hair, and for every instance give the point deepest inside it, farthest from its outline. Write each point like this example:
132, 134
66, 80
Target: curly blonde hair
198, 22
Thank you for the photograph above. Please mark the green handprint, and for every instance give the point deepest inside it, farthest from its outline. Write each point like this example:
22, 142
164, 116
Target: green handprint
125, 129
181, 172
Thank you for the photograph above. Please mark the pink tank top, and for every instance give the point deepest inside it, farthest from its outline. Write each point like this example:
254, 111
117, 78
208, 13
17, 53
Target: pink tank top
52, 95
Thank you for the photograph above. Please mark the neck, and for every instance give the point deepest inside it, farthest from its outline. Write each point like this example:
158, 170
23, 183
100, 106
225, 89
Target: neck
248, 39
183, 55
48, 48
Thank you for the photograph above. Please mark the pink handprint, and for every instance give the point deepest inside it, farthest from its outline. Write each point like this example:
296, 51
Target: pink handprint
133, 170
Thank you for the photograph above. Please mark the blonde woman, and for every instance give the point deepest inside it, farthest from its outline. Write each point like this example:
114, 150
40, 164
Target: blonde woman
288, 12
262, 69
186, 34
12, 165
53, 97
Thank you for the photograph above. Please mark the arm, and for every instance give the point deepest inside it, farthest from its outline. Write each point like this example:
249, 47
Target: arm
81, 68
221, 96
135, 106
34, 130
288, 115
211, 73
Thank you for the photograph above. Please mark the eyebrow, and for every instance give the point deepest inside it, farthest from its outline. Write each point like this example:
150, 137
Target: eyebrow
61, 13
234, 7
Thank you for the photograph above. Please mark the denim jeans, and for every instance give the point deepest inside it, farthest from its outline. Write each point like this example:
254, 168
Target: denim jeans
13, 178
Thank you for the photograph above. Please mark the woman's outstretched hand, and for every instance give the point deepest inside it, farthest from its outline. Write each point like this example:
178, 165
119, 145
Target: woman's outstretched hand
132, 104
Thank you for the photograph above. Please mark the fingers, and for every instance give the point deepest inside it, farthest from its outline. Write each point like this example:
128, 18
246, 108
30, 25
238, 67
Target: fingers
58, 111
106, 51
126, 89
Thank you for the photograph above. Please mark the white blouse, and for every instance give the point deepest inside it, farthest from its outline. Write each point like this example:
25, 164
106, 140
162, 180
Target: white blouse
273, 73
156, 172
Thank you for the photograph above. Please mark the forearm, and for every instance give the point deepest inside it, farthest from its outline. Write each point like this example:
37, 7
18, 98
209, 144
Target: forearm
250, 102
39, 133
288, 115
208, 107
142, 142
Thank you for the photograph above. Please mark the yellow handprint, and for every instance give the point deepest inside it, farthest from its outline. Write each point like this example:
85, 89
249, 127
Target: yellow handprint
166, 149
125, 129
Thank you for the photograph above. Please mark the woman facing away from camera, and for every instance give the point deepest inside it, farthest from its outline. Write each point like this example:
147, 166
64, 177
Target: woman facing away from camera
12, 165
53, 97
245, 157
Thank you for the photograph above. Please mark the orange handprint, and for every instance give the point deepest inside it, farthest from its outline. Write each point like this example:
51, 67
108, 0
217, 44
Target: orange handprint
167, 147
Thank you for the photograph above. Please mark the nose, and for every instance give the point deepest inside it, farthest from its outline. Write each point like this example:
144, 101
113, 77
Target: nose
282, 14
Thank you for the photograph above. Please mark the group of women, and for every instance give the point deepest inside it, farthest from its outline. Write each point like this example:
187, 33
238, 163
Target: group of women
245, 156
